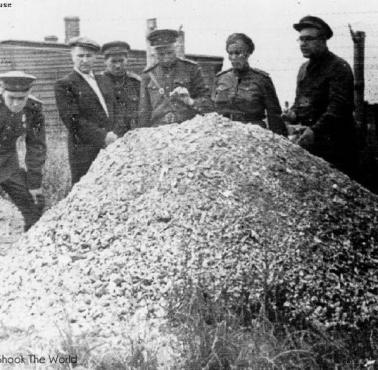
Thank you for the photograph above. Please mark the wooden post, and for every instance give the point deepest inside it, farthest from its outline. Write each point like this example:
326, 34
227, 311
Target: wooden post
150, 57
358, 38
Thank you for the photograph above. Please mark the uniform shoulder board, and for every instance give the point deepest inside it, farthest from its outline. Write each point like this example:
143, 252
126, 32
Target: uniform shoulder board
189, 61
223, 72
260, 71
134, 76
34, 102
148, 69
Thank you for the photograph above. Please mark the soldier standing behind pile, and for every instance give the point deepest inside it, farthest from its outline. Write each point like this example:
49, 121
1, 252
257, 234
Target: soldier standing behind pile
324, 99
21, 114
246, 94
173, 90
85, 106
125, 84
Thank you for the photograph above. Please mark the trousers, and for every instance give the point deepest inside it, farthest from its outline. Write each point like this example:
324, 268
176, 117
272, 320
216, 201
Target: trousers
16, 187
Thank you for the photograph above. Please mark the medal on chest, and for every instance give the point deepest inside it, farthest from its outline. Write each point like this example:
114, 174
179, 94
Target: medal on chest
23, 120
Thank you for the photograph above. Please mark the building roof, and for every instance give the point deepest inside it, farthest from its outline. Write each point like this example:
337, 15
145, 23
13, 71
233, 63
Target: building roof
59, 45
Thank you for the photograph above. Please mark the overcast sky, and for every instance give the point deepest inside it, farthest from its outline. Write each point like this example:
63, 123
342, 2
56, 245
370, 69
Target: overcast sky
206, 23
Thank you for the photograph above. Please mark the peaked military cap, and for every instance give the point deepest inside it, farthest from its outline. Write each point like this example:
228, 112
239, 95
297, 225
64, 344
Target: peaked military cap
84, 42
115, 47
315, 22
160, 38
17, 81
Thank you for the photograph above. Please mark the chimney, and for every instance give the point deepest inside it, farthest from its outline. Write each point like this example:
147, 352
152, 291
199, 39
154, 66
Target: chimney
72, 27
180, 43
52, 39
150, 57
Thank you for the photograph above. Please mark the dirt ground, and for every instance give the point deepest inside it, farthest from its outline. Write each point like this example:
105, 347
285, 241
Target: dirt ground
11, 225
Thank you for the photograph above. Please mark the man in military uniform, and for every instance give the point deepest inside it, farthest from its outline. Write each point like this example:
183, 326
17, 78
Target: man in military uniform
173, 90
125, 84
85, 106
323, 107
246, 94
21, 114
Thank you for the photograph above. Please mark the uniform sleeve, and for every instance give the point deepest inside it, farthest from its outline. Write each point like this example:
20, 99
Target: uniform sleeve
200, 92
69, 112
35, 148
214, 89
273, 108
301, 73
134, 121
145, 108
340, 97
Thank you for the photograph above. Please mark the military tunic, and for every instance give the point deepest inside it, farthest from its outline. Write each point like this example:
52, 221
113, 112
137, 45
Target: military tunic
14, 180
248, 96
157, 108
325, 101
126, 103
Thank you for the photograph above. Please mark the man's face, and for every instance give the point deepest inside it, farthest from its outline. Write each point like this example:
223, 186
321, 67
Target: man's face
83, 58
116, 64
311, 42
238, 55
166, 55
15, 100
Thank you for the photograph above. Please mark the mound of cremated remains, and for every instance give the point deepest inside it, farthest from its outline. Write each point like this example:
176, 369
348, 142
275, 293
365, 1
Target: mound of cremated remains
213, 207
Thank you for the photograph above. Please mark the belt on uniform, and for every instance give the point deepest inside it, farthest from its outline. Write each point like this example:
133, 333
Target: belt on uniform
244, 117
305, 122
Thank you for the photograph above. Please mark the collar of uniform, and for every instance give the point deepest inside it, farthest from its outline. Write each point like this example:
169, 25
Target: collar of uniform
116, 78
242, 72
320, 58
167, 69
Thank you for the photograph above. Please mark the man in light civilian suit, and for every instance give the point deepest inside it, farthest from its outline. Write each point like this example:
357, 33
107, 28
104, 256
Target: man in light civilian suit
85, 106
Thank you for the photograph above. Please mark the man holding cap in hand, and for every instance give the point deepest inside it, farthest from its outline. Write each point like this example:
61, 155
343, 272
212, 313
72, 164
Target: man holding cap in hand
21, 114
173, 90
324, 99
86, 108
125, 85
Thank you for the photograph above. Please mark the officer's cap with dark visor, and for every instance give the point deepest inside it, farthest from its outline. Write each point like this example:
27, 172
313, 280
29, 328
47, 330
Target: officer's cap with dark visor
17, 81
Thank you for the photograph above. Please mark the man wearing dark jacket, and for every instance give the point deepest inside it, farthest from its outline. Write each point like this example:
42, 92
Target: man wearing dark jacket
21, 114
125, 85
86, 108
324, 98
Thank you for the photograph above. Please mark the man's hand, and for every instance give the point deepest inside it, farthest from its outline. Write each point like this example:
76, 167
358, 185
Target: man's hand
182, 94
110, 137
36, 193
288, 116
306, 139
294, 132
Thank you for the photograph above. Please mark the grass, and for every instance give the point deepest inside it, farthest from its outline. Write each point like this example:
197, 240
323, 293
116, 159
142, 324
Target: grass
216, 338
56, 176
220, 345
